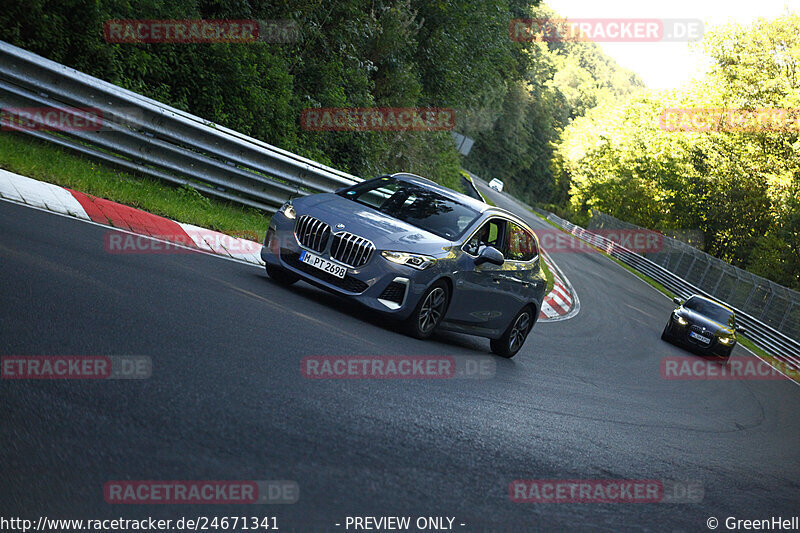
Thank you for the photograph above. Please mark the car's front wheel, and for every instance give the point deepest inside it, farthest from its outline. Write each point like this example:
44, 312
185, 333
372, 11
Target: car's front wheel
725, 353
429, 311
665, 335
280, 275
514, 337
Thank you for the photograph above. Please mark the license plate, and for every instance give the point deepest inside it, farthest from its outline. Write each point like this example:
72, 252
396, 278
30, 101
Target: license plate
699, 337
323, 264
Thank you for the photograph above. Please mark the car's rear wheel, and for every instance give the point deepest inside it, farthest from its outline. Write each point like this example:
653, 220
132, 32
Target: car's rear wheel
429, 311
515, 335
280, 275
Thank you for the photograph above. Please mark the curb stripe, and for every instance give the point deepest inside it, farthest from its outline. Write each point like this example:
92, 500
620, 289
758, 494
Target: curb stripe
216, 242
39, 194
122, 216
562, 291
559, 301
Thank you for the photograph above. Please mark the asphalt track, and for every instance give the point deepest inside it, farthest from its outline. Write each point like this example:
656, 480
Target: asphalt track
584, 399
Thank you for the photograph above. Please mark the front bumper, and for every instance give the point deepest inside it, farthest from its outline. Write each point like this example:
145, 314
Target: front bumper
380, 285
681, 334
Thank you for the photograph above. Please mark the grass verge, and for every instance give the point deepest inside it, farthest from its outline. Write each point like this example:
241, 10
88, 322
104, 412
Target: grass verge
46, 162
549, 277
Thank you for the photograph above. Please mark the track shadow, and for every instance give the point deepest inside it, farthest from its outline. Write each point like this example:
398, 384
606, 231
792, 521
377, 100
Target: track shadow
355, 310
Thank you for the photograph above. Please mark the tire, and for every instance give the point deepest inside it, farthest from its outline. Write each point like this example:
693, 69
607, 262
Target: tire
725, 355
429, 311
280, 275
665, 336
515, 335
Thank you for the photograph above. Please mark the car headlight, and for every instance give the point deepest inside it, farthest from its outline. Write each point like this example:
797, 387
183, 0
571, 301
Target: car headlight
287, 210
726, 340
682, 321
418, 261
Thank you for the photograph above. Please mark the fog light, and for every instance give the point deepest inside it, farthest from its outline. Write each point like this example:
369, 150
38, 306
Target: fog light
288, 211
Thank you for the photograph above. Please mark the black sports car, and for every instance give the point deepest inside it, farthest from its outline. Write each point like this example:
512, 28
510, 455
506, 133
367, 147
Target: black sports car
703, 325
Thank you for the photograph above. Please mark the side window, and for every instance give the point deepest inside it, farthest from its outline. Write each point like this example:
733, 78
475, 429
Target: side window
521, 244
490, 234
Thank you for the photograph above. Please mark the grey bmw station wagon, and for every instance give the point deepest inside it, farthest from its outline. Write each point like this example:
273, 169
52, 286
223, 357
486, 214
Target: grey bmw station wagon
422, 253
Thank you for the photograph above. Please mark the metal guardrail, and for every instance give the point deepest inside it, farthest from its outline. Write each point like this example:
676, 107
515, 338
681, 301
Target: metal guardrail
772, 340
143, 135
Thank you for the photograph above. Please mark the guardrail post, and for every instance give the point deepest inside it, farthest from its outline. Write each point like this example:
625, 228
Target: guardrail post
721, 275
786, 315
734, 287
750, 296
703, 277
691, 266
768, 304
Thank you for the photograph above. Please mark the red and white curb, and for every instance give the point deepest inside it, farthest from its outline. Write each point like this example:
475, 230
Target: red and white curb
77, 204
560, 304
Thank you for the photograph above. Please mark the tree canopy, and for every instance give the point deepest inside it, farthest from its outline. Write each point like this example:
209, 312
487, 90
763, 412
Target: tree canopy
350, 53
737, 181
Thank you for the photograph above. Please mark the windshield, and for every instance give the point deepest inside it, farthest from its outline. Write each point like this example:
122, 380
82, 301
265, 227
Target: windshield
414, 204
711, 310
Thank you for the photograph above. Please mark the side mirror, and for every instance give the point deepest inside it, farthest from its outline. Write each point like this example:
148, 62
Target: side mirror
740, 329
490, 255
677, 301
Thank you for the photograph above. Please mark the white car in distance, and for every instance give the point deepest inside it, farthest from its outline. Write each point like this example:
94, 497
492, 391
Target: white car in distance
496, 184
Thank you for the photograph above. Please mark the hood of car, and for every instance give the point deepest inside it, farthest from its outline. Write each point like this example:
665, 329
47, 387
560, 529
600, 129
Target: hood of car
387, 233
696, 318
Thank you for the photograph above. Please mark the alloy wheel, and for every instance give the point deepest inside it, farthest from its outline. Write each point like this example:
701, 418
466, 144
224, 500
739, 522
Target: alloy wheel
519, 331
432, 309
